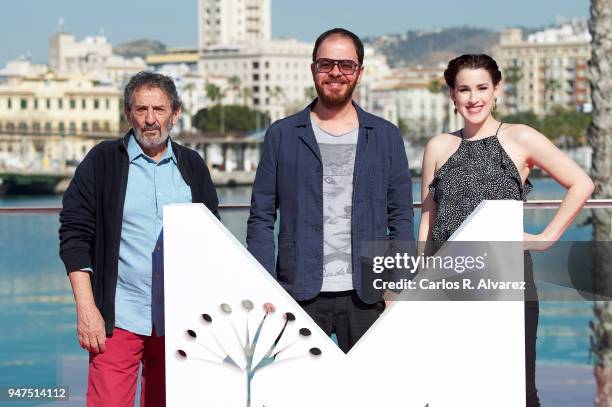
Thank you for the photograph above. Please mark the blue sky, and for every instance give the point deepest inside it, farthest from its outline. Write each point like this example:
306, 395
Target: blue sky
27, 24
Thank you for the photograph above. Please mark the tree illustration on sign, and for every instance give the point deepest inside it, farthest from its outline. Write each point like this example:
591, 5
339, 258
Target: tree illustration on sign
248, 347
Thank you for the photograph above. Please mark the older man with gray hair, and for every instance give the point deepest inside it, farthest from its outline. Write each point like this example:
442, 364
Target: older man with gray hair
111, 242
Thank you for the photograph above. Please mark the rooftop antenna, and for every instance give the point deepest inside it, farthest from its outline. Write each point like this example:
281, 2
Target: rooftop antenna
60, 25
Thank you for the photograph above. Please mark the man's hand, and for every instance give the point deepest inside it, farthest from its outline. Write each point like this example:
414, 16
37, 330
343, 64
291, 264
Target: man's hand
90, 328
90, 324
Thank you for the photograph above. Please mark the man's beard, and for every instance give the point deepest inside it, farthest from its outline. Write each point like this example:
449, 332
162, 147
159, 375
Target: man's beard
335, 99
152, 141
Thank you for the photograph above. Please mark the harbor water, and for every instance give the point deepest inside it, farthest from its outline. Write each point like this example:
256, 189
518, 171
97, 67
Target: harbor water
38, 345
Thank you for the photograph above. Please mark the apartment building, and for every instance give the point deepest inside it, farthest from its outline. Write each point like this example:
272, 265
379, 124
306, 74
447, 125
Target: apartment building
274, 75
545, 69
233, 21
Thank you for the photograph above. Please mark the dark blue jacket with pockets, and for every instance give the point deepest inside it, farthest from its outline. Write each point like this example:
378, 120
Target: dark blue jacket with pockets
290, 179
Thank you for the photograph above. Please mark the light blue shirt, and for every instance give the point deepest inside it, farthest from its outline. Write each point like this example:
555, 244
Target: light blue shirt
139, 300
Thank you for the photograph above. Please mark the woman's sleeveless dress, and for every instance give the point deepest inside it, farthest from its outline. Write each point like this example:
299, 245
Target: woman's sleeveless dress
482, 170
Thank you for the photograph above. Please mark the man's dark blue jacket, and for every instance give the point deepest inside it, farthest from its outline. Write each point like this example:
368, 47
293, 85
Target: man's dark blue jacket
290, 178
92, 213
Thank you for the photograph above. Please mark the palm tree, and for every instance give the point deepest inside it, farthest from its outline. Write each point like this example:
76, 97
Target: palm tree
247, 94
437, 86
234, 83
512, 76
214, 93
550, 86
277, 93
600, 139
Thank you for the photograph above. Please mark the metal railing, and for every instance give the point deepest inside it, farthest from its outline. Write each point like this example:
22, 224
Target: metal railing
535, 204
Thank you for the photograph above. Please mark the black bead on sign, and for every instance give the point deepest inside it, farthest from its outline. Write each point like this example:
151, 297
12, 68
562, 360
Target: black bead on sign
304, 331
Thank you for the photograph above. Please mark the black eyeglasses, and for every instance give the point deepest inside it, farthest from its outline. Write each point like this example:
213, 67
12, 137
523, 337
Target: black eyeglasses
326, 65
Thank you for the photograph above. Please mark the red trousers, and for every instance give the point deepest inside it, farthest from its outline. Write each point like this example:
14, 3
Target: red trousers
113, 374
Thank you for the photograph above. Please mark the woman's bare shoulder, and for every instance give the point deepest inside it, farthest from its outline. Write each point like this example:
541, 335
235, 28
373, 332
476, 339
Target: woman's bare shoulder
440, 147
520, 133
443, 140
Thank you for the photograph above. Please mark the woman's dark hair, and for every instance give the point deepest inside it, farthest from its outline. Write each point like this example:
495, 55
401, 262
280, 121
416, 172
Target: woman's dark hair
472, 61
152, 80
342, 33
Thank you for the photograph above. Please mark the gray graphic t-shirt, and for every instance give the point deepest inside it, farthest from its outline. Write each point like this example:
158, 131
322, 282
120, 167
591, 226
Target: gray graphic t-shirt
338, 155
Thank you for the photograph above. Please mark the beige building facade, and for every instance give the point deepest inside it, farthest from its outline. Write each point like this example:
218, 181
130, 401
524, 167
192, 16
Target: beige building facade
424, 113
546, 69
53, 104
274, 75
49, 122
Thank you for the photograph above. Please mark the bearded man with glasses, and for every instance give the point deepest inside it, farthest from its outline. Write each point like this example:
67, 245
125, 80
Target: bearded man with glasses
338, 176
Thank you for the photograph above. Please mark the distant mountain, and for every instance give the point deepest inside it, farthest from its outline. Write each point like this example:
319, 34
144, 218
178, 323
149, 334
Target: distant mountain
434, 46
139, 48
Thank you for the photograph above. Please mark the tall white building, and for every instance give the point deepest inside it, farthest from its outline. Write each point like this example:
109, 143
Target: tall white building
233, 21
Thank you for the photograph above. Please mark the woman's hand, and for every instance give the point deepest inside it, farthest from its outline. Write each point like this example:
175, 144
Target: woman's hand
538, 243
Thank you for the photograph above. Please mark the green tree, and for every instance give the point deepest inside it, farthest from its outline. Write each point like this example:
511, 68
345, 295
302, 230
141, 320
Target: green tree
277, 93
600, 139
437, 86
403, 127
214, 93
550, 87
234, 82
512, 76
434, 86
567, 127
247, 95
528, 118
310, 93
237, 118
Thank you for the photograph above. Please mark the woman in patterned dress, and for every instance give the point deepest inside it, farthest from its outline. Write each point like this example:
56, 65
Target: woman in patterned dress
487, 159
